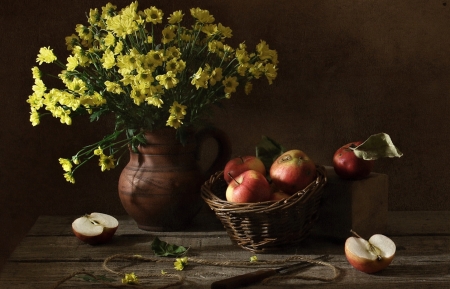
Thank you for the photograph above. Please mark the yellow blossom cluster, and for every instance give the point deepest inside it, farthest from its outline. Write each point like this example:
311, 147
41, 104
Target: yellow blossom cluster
146, 69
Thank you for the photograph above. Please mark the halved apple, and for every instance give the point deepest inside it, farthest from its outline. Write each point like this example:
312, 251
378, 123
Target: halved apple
369, 256
95, 228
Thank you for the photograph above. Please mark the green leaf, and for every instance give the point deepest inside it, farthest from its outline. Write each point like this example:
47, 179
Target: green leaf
377, 146
267, 150
164, 249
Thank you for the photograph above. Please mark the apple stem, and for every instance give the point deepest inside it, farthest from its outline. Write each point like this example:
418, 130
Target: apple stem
233, 178
356, 234
373, 249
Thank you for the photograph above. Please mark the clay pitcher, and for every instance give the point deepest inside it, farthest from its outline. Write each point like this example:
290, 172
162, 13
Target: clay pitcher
160, 186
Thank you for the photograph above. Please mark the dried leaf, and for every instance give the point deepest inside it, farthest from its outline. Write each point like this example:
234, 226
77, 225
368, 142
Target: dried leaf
377, 146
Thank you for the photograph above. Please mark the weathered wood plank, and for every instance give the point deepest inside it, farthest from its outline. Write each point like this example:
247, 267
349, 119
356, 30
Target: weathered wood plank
70, 248
403, 273
51, 251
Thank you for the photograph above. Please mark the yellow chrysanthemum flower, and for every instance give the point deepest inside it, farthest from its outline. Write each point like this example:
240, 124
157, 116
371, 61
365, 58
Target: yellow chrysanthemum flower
108, 11
180, 263
119, 47
230, 83
45, 55
39, 87
109, 39
172, 52
34, 117
113, 87
176, 66
98, 151
167, 35
202, 15
167, 80
37, 74
130, 279
270, 71
226, 32
175, 17
72, 41
72, 63
153, 15
77, 85
200, 79
83, 32
66, 164
216, 75
174, 122
155, 101
108, 59
35, 101
69, 177
264, 53
106, 162
178, 110
209, 29
94, 17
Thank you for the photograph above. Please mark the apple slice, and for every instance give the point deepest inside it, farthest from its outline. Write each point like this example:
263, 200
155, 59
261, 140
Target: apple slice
95, 228
369, 256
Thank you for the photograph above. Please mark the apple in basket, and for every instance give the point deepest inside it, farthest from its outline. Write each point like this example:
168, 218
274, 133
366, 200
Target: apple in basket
278, 195
249, 187
95, 228
369, 256
348, 166
238, 165
293, 171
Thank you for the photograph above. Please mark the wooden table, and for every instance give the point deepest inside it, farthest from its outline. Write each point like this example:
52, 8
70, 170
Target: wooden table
50, 252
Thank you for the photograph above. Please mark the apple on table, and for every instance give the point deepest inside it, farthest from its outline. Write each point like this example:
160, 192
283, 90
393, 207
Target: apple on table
369, 256
249, 187
95, 228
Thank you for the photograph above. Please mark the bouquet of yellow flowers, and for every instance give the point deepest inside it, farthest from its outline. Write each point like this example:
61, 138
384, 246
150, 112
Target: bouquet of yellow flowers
145, 73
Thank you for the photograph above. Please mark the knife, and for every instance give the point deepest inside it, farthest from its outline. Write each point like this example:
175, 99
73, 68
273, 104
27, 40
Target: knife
253, 277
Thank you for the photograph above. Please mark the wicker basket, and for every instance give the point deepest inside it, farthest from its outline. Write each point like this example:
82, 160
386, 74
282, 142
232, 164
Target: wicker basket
265, 226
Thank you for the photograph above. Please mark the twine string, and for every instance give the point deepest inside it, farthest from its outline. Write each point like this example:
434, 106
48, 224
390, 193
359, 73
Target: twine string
179, 279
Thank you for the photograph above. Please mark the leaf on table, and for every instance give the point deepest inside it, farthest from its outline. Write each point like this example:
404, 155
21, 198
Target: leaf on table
377, 146
267, 150
164, 249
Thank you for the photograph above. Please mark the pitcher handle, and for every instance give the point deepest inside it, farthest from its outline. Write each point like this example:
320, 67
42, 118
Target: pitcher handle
223, 144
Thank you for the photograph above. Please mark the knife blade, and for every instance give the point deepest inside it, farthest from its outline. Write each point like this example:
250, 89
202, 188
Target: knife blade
256, 276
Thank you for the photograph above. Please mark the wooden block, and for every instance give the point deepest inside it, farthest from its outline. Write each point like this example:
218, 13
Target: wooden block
359, 205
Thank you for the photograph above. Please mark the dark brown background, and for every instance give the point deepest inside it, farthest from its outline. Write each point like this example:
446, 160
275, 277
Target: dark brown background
348, 69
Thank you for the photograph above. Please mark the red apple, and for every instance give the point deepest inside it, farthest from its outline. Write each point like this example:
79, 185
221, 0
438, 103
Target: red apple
369, 256
348, 166
293, 171
95, 228
238, 165
249, 187
279, 195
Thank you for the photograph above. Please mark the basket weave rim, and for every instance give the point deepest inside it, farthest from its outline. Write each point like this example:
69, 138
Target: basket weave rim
221, 205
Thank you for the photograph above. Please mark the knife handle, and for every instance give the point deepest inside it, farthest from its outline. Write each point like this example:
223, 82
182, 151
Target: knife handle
243, 280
